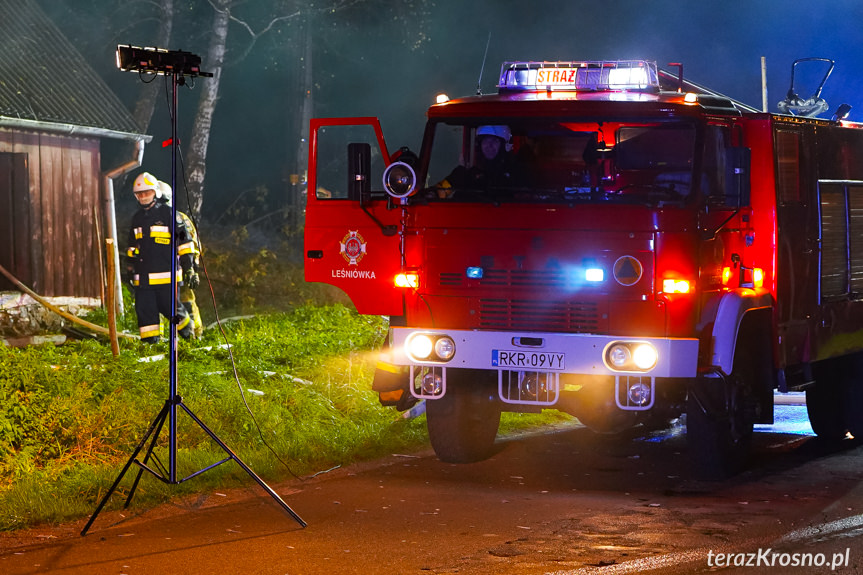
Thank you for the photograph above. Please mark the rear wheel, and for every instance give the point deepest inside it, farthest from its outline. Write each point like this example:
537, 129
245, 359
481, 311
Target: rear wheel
835, 402
853, 394
463, 423
824, 400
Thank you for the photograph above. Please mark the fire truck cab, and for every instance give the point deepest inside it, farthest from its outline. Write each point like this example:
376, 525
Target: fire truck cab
637, 249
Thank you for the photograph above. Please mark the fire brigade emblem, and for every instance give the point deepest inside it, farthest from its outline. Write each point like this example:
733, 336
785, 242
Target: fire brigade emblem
627, 270
352, 247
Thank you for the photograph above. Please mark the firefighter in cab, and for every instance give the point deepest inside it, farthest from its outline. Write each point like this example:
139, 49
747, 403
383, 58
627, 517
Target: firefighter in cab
495, 166
150, 259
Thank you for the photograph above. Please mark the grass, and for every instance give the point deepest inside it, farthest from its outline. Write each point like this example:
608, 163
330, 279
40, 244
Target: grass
71, 416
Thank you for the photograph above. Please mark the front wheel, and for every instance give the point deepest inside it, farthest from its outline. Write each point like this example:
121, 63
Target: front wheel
721, 411
463, 423
718, 430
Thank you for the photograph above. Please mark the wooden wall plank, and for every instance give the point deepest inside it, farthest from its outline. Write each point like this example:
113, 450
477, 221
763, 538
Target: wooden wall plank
7, 225
28, 142
71, 216
91, 182
52, 210
21, 218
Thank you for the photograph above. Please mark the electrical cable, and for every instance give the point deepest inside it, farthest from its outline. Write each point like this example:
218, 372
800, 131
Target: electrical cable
142, 74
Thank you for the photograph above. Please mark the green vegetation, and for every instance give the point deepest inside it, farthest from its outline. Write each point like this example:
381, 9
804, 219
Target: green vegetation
71, 416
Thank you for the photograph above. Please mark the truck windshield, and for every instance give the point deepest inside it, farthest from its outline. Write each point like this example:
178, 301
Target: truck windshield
645, 162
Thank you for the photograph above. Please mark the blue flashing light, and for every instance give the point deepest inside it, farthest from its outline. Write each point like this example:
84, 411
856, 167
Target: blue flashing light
594, 275
474, 273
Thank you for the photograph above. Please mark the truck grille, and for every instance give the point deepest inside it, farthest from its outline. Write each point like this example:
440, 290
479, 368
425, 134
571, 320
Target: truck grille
515, 279
525, 278
571, 317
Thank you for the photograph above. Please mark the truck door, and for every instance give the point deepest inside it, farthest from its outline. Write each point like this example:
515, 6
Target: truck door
726, 218
351, 238
796, 246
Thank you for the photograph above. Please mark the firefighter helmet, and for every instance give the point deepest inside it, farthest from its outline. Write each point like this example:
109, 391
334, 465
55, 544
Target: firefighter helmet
502, 132
164, 192
146, 181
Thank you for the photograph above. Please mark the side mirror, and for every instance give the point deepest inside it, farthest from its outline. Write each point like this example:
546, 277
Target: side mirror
359, 171
738, 163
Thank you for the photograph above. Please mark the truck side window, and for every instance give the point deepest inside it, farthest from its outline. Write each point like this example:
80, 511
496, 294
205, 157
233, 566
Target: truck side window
716, 139
332, 159
788, 166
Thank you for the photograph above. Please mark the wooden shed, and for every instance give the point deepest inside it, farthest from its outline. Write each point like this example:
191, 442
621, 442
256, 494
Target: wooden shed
55, 115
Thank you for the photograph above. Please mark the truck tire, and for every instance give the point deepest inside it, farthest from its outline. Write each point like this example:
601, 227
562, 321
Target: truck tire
824, 400
835, 402
463, 423
852, 389
720, 412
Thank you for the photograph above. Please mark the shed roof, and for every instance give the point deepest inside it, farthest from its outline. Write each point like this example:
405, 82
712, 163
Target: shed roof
45, 81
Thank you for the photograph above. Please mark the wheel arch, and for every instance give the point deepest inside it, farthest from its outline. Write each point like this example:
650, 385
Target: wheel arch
739, 311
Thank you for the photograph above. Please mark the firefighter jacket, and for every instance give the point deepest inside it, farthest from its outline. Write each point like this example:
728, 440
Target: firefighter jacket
193, 238
149, 251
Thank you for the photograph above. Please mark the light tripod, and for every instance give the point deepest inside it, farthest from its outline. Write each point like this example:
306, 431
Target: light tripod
178, 65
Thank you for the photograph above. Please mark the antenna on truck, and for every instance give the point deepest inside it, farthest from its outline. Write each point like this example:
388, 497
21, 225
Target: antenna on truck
481, 68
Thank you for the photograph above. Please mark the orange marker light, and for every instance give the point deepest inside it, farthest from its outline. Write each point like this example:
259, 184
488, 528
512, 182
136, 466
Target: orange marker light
407, 280
675, 286
757, 277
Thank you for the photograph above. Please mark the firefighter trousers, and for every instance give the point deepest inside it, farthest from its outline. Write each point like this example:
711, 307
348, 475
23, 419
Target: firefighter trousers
152, 301
187, 296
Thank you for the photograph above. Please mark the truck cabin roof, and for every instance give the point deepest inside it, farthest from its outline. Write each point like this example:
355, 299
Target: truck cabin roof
590, 88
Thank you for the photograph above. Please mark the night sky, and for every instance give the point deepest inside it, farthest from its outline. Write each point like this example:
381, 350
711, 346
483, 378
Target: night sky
364, 64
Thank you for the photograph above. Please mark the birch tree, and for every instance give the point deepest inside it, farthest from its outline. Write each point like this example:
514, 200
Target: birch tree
196, 156
146, 103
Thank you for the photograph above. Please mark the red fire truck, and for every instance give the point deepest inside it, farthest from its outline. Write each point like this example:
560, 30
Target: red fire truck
653, 249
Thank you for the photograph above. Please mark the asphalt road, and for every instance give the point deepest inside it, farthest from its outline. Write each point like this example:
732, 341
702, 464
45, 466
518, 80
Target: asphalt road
563, 501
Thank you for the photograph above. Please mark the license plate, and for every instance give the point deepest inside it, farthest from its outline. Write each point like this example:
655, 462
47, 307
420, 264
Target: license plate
538, 360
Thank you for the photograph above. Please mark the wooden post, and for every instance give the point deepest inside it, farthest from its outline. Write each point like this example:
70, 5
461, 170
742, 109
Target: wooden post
109, 296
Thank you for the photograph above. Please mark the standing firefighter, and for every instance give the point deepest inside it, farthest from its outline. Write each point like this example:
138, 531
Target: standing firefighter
150, 259
191, 279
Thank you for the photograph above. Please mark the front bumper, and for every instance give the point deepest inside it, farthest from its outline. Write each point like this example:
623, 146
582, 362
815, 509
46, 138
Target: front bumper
582, 353
541, 359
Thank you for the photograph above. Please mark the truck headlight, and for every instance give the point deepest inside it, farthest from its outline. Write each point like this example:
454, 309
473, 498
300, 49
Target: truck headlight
429, 347
644, 356
619, 355
444, 348
419, 346
631, 356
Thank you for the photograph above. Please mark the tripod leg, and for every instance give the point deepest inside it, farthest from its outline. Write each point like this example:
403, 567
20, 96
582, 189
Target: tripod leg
156, 422
245, 467
156, 433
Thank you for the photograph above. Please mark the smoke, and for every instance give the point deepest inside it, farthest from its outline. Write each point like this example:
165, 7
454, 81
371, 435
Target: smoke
719, 43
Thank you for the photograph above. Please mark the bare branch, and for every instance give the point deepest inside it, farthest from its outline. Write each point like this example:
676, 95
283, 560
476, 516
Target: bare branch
254, 35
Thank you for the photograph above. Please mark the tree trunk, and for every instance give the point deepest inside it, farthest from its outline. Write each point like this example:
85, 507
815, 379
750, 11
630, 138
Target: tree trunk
304, 112
146, 103
196, 154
